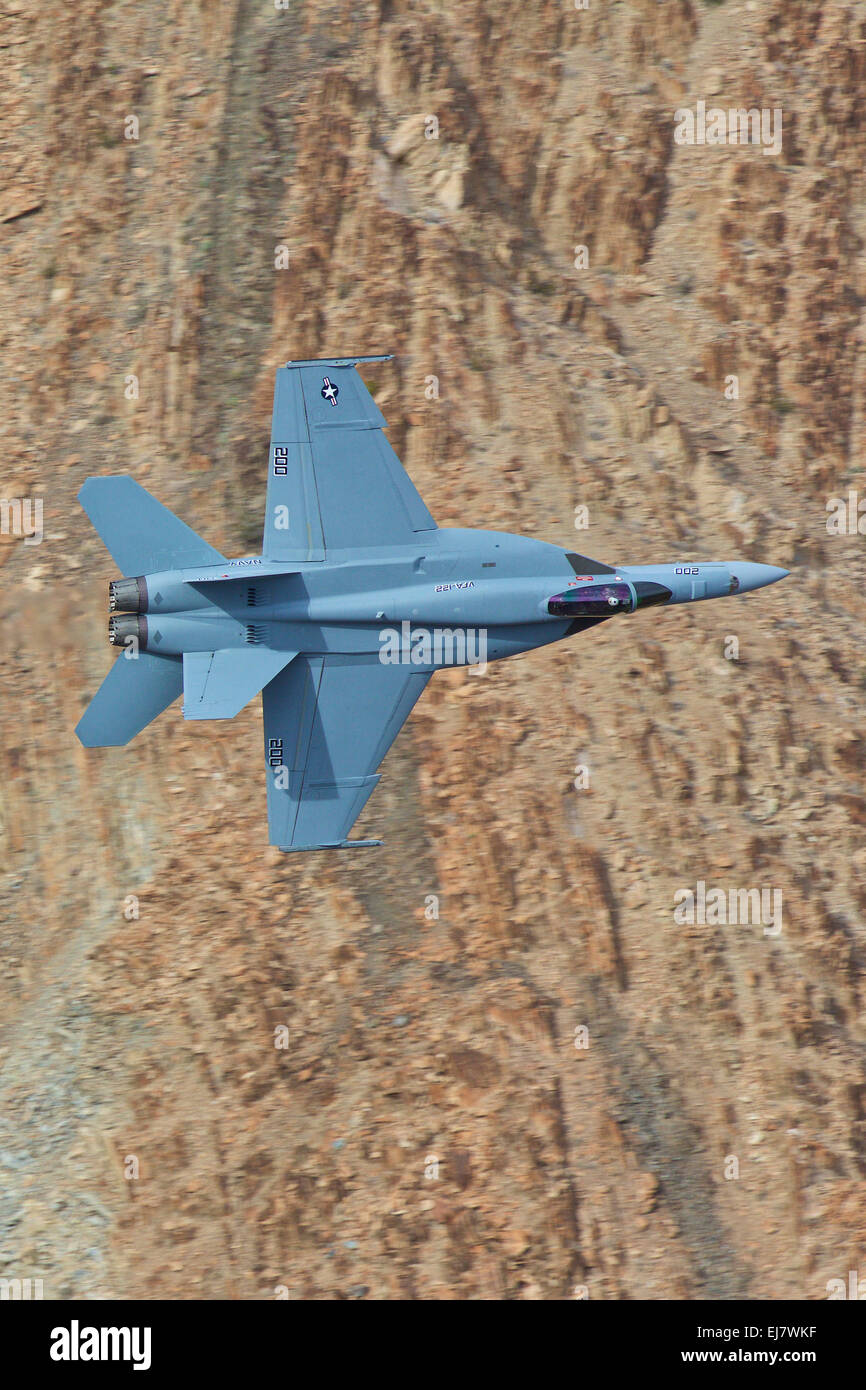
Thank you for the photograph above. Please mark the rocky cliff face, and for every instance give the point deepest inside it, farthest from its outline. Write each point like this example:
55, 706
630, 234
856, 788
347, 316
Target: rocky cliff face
417, 178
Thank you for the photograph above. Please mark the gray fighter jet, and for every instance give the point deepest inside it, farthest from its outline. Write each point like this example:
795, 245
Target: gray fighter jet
356, 599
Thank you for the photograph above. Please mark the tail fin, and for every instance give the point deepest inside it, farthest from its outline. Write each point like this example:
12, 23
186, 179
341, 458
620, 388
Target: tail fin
140, 533
133, 693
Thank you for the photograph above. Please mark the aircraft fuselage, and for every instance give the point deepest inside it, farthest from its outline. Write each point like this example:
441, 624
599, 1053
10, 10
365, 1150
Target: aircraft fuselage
472, 581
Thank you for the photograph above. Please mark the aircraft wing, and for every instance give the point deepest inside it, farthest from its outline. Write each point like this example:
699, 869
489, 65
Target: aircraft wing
329, 721
333, 479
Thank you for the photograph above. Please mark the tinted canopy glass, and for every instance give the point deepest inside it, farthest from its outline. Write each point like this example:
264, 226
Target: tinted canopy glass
591, 601
649, 593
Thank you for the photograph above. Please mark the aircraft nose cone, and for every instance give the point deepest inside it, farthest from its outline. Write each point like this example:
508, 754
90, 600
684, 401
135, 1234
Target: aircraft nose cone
754, 576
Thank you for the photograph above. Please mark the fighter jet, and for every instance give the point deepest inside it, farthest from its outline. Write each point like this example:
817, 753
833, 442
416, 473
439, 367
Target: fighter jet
356, 599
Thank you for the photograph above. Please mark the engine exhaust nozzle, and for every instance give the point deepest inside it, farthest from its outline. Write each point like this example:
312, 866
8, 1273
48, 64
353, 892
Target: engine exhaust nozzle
125, 626
127, 596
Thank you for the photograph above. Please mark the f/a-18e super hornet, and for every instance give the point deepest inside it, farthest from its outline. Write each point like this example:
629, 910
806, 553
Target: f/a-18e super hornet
356, 599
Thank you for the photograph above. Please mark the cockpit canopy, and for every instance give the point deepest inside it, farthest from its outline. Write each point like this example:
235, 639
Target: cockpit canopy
602, 600
592, 601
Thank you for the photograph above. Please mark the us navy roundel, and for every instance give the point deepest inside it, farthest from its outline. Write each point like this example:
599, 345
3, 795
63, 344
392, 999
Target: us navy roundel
329, 390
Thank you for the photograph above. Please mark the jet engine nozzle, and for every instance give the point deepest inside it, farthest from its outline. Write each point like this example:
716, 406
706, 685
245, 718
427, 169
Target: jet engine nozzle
127, 625
127, 596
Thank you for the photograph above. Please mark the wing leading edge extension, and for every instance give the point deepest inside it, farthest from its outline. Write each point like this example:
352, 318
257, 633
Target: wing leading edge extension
329, 721
333, 479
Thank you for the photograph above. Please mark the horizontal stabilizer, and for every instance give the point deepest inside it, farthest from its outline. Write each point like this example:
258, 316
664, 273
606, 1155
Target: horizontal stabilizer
140, 534
133, 693
217, 685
